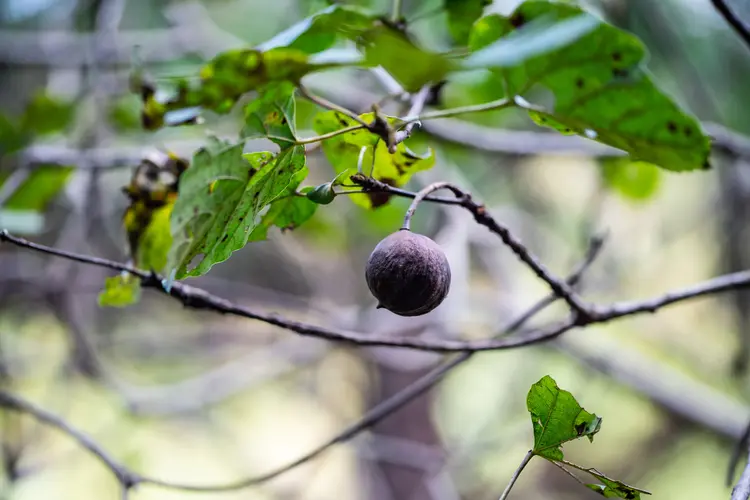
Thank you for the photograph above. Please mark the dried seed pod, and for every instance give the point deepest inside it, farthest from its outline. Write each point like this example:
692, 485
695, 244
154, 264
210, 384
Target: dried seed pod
408, 273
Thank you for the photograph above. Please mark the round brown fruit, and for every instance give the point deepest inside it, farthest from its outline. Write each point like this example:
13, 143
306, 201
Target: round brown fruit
408, 273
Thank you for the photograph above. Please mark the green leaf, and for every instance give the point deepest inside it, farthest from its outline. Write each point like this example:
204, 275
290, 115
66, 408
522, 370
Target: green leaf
42, 185
288, 211
155, 241
12, 138
611, 488
220, 199
124, 113
226, 78
321, 30
272, 114
120, 291
410, 65
46, 115
538, 37
634, 180
557, 418
343, 152
461, 16
601, 87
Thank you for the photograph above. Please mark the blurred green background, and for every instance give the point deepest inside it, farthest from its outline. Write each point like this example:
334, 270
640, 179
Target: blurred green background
200, 398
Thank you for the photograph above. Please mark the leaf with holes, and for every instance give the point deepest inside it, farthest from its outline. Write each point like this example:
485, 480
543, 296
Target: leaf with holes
557, 418
225, 79
343, 152
272, 114
635, 180
220, 200
288, 211
601, 88
611, 488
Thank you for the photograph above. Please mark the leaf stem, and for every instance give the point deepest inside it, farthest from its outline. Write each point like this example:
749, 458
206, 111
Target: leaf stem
474, 108
324, 103
421, 195
513, 479
329, 135
396, 10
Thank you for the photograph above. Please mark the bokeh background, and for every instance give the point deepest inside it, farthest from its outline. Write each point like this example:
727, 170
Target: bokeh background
200, 398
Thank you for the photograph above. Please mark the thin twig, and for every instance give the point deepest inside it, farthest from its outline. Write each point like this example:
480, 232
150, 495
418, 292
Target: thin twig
735, 22
329, 135
324, 103
15, 403
396, 10
482, 217
462, 110
197, 298
516, 474
379, 412
740, 448
421, 195
741, 491
418, 102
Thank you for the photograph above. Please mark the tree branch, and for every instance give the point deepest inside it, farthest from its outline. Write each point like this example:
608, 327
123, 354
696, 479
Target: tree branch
12, 402
741, 491
482, 217
373, 416
734, 21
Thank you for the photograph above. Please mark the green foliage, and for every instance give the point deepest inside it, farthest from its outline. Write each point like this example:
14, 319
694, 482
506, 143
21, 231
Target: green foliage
42, 185
45, 114
322, 194
11, 137
289, 211
220, 199
461, 16
343, 152
601, 88
226, 78
611, 488
155, 241
272, 114
410, 65
557, 418
321, 30
120, 291
124, 113
634, 180
42, 115
537, 37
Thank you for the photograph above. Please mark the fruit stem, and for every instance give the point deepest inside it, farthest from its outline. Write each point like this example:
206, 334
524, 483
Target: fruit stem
421, 195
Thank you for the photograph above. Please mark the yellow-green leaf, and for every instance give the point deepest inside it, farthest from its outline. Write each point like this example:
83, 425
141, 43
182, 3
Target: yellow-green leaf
635, 180
343, 152
120, 291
